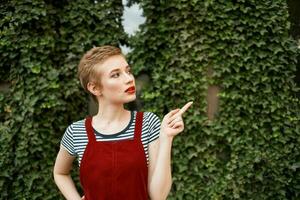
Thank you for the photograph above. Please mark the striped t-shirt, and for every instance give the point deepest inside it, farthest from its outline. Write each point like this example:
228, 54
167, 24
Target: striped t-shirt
75, 137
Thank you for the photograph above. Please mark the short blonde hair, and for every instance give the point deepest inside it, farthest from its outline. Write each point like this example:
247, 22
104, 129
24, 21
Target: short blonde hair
86, 67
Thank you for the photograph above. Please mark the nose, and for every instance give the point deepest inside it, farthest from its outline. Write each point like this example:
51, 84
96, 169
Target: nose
128, 78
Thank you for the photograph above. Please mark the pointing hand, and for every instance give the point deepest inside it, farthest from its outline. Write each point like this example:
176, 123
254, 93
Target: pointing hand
172, 123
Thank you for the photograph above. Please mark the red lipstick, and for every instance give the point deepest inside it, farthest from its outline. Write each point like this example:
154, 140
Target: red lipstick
130, 89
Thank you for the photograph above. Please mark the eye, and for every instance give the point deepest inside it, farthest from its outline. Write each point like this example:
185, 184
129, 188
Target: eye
129, 71
116, 75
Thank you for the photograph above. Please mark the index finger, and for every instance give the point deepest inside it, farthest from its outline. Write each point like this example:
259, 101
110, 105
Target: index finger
185, 107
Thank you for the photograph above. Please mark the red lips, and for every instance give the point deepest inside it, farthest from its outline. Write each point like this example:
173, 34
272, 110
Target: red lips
130, 89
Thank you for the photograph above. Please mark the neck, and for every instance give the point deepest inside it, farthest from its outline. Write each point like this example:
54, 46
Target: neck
110, 112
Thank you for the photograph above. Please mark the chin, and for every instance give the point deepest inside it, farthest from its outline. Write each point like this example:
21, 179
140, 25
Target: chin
133, 98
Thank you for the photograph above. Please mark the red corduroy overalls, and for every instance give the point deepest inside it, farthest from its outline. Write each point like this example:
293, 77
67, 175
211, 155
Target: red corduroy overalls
114, 170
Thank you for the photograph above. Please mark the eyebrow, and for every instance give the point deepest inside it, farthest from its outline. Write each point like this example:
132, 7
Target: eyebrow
117, 69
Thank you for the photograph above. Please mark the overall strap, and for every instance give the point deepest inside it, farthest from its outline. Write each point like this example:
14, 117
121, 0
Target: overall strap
138, 126
89, 129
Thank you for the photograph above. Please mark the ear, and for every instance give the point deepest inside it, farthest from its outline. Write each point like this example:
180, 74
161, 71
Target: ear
94, 89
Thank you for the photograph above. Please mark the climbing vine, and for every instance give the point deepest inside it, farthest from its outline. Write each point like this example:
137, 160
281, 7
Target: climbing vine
251, 148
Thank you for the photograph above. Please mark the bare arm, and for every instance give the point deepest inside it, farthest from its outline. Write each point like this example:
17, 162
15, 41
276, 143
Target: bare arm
160, 175
62, 177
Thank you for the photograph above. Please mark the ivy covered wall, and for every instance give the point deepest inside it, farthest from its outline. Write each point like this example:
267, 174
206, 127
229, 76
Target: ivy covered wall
251, 149
41, 44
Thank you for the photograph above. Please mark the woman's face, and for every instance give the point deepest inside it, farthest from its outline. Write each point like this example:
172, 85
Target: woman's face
117, 81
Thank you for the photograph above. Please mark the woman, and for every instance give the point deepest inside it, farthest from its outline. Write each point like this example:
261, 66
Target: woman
122, 154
